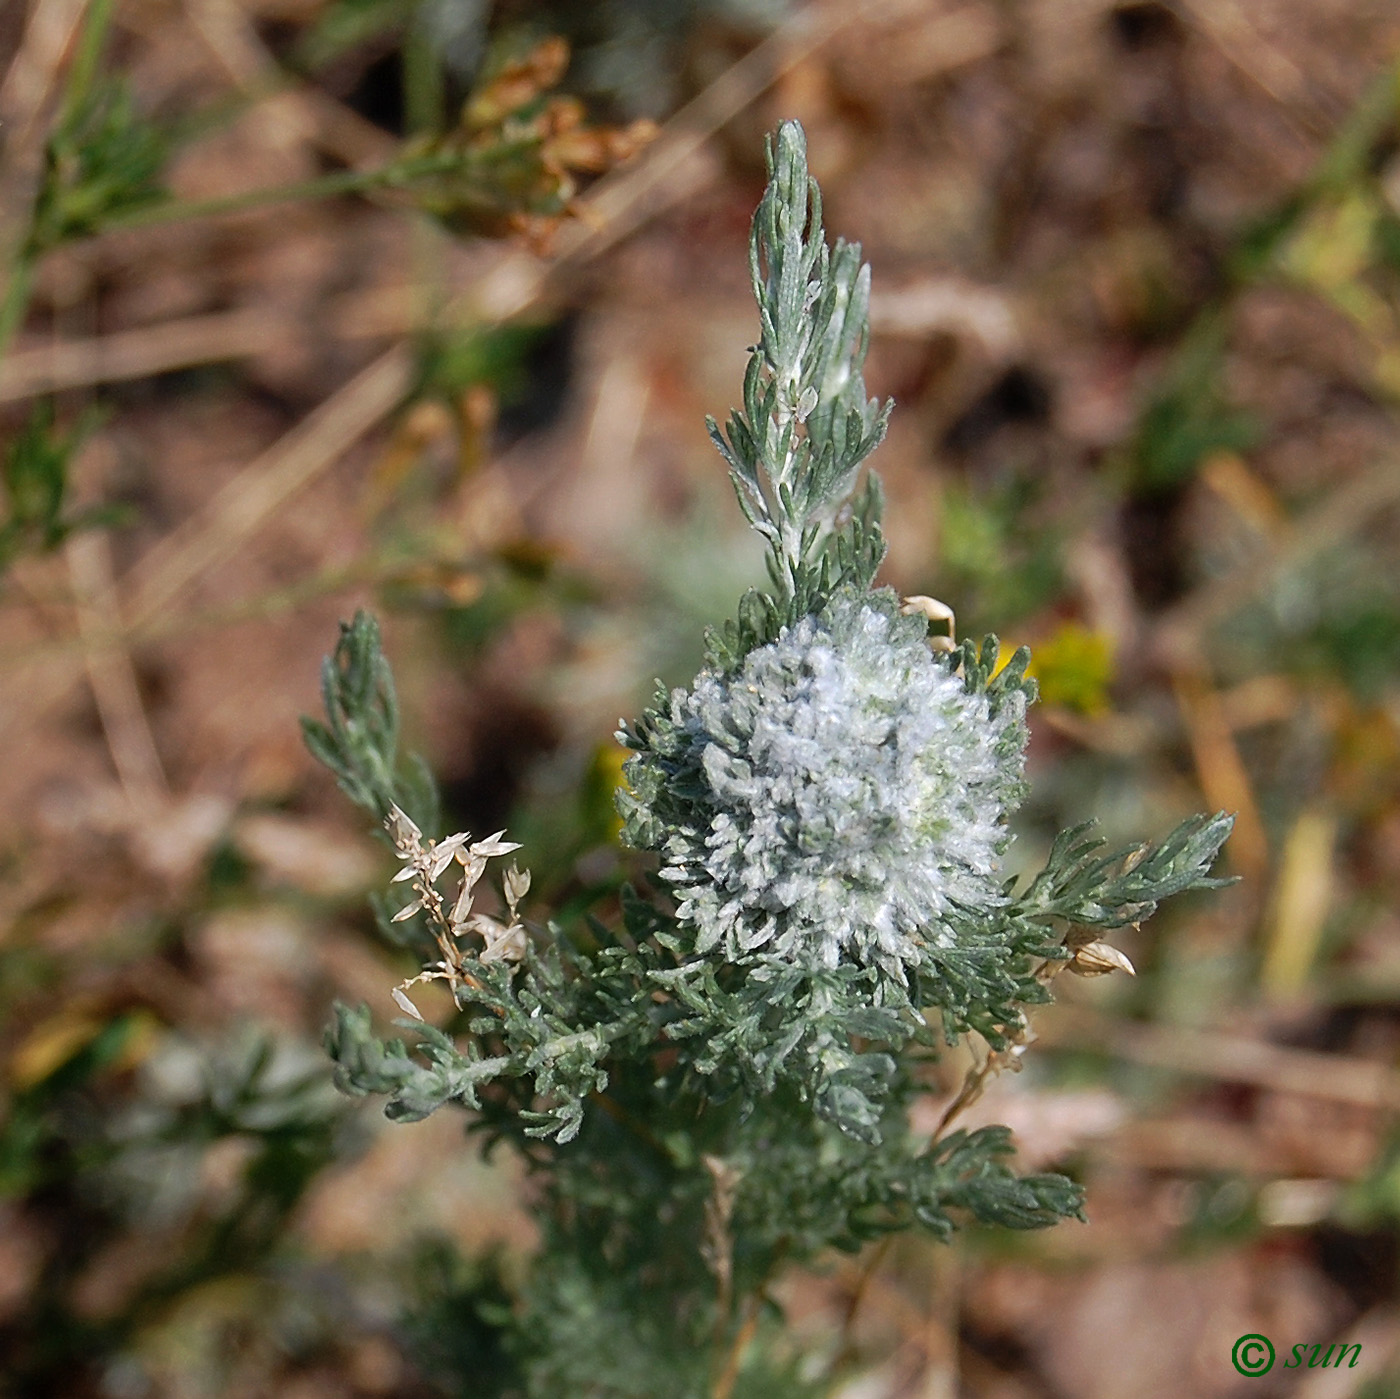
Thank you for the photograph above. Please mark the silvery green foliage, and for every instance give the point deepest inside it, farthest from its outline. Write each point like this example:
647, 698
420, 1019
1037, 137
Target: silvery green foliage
359, 742
716, 1086
852, 793
795, 447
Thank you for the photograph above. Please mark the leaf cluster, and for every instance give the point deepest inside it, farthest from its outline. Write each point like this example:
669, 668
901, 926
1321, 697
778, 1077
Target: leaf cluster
111, 1161
621, 1065
544, 1035
847, 557
552, 1033
512, 160
582, 1002
1080, 884
34, 474
833, 1037
359, 742
796, 446
102, 160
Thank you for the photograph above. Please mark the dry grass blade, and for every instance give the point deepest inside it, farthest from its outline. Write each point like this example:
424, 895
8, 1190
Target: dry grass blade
265, 484
112, 676
28, 98
1220, 770
378, 313
305, 113
1340, 515
1232, 1059
231, 517
29, 79
135, 354
1302, 899
1262, 62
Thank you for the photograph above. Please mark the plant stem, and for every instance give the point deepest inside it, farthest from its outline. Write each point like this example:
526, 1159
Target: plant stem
16, 299
728, 1376
422, 78
324, 187
845, 1351
424, 95
79, 78
85, 57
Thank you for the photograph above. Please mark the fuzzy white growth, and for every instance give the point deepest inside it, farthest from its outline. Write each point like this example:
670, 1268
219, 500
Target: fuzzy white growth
857, 793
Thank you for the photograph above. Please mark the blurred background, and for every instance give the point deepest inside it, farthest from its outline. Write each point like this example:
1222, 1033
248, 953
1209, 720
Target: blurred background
420, 305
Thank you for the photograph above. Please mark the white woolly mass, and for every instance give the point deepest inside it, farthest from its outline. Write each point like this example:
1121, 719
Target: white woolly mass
858, 792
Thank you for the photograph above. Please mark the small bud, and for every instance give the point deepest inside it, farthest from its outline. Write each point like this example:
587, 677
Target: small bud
1098, 959
516, 884
935, 611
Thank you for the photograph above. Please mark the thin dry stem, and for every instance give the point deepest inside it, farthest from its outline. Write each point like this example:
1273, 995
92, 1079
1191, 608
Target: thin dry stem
717, 1247
1219, 767
846, 1348
1232, 1059
113, 677
728, 1376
